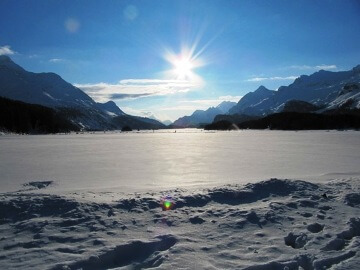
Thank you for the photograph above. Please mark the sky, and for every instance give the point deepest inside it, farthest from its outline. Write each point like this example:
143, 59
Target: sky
168, 58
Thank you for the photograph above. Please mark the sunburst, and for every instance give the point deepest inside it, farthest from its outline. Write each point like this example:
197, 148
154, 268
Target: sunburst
184, 64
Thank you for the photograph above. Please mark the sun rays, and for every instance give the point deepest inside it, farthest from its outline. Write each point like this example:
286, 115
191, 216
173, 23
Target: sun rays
184, 65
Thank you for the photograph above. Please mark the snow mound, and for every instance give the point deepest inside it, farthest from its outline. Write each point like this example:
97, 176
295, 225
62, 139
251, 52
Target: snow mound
352, 199
38, 184
137, 253
25, 207
231, 195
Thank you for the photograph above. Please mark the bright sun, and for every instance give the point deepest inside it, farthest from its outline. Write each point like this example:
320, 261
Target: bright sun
183, 67
184, 64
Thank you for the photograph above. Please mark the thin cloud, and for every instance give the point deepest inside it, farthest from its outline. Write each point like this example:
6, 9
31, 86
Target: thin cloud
259, 79
137, 88
6, 50
143, 113
139, 112
56, 60
318, 67
127, 96
147, 81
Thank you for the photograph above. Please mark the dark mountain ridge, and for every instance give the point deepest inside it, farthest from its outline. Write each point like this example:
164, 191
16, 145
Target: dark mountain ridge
50, 90
20, 117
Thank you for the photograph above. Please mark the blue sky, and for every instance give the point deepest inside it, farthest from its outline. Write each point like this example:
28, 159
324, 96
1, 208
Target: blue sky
129, 51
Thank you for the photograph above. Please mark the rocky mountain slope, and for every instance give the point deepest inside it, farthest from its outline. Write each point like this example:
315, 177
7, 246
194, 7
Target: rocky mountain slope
250, 100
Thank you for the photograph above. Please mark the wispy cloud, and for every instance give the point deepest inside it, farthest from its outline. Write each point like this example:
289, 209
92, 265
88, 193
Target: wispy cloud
56, 60
290, 78
128, 96
32, 56
138, 112
317, 67
147, 81
259, 79
137, 88
6, 50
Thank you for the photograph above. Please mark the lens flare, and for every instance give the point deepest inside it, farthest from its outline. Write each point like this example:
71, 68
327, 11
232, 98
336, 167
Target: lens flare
167, 203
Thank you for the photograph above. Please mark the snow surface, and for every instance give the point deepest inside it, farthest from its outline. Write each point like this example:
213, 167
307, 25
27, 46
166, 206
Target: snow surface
94, 201
273, 224
134, 162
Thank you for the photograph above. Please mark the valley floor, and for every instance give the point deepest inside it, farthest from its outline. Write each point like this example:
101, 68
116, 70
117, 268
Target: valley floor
273, 224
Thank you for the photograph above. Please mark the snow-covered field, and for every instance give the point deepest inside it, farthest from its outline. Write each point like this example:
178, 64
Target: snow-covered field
96, 201
145, 161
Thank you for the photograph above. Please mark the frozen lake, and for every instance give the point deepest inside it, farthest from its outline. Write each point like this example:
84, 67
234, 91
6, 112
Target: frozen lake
165, 160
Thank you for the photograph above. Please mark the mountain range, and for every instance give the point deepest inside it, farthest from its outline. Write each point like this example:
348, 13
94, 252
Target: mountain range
203, 116
323, 89
319, 92
50, 90
251, 99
